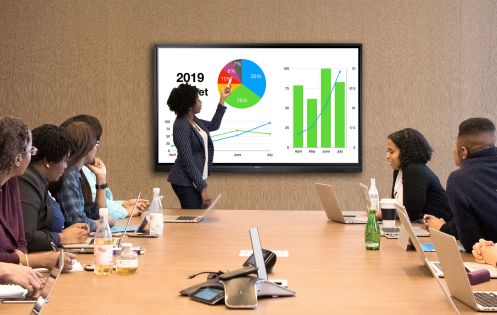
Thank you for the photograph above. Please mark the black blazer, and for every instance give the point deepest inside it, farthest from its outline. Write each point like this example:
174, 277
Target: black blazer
188, 167
37, 210
423, 193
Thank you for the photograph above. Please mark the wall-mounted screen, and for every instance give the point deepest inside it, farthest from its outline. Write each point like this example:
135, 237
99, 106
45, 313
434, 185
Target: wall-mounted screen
293, 107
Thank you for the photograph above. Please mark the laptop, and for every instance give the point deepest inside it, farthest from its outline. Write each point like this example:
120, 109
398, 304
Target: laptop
191, 218
365, 195
332, 208
39, 298
394, 232
433, 265
257, 250
446, 293
48, 285
87, 246
456, 276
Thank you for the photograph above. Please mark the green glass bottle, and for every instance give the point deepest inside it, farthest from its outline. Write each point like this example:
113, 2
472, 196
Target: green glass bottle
373, 235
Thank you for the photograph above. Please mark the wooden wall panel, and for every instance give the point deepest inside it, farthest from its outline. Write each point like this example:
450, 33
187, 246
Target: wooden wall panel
426, 65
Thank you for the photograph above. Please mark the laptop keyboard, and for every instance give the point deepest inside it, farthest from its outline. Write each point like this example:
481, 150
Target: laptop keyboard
486, 299
186, 217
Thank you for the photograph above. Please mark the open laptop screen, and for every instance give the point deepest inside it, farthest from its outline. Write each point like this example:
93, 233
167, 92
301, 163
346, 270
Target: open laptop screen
48, 285
257, 249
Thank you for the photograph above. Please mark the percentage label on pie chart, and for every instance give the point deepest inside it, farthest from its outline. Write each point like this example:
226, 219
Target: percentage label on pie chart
248, 83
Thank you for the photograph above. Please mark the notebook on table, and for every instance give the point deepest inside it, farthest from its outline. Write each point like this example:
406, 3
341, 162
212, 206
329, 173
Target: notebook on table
434, 265
332, 207
456, 276
87, 246
191, 218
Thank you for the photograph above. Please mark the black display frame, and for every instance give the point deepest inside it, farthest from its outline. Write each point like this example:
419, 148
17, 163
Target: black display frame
265, 167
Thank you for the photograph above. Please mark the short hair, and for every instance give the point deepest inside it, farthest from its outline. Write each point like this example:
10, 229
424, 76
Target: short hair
83, 140
413, 146
52, 142
90, 120
14, 137
476, 134
182, 98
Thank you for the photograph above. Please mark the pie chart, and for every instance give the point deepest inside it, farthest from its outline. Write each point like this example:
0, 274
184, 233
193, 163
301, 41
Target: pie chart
248, 83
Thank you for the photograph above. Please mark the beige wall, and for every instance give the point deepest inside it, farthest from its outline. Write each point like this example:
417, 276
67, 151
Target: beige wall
426, 65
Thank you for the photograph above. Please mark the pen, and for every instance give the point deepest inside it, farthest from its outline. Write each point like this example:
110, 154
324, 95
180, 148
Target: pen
54, 248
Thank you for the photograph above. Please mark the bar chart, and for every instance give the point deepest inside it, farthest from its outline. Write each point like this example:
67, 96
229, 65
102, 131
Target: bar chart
321, 123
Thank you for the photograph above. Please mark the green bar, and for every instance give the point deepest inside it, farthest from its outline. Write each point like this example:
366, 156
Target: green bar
325, 108
312, 128
340, 115
298, 116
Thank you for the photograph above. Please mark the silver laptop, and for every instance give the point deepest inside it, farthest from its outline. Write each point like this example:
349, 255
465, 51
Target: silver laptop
87, 246
446, 293
191, 218
48, 285
332, 208
257, 250
365, 195
394, 232
456, 276
434, 265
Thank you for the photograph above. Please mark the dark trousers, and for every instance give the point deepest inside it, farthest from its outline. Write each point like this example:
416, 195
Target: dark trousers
189, 197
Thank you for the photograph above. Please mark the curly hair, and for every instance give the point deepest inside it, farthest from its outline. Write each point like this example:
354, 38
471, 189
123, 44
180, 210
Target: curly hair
14, 137
83, 140
90, 120
413, 146
182, 98
53, 143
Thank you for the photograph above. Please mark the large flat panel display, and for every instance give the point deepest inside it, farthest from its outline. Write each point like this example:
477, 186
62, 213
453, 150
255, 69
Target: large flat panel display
292, 107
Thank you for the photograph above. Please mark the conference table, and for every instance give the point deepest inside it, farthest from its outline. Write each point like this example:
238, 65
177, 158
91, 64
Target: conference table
327, 266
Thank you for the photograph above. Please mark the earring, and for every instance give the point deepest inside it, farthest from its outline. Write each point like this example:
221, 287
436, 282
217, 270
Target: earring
18, 163
48, 165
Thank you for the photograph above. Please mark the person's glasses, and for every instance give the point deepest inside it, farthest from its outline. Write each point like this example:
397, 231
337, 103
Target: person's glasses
33, 151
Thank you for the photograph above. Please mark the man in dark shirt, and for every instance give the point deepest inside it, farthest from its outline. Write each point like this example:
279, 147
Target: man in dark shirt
472, 189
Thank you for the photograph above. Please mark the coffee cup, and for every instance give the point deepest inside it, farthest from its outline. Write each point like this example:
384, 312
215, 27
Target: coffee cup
388, 214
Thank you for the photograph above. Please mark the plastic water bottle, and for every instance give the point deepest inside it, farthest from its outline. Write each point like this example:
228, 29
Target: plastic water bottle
102, 251
374, 196
156, 215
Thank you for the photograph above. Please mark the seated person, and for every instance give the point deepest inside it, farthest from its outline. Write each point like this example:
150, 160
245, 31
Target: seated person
43, 218
471, 189
414, 184
485, 252
26, 277
77, 206
118, 209
15, 154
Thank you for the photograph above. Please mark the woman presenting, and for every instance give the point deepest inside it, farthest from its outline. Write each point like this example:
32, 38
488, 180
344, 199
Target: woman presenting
194, 145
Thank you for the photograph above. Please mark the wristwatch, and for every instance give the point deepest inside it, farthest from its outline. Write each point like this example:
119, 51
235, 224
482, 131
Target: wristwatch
102, 186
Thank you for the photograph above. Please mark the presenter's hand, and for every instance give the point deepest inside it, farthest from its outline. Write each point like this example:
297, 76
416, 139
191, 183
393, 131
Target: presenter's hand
224, 94
433, 222
98, 168
74, 234
206, 198
485, 252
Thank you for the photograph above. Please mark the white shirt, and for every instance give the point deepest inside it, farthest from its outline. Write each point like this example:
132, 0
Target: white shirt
204, 137
398, 189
